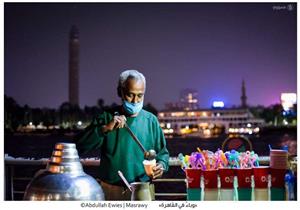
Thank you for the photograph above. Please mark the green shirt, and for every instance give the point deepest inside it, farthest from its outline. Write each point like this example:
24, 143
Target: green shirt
118, 149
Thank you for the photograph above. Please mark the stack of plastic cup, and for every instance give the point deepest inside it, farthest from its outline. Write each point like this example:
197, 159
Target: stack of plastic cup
278, 159
261, 183
193, 177
226, 179
210, 185
278, 169
244, 183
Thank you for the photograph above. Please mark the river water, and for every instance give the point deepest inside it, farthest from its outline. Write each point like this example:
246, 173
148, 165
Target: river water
40, 145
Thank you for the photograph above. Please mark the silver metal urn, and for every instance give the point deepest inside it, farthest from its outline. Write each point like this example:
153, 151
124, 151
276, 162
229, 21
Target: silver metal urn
63, 179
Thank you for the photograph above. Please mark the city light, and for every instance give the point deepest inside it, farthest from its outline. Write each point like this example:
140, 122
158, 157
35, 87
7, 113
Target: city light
177, 114
218, 104
288, 100
247, 130
168, 125
161, 115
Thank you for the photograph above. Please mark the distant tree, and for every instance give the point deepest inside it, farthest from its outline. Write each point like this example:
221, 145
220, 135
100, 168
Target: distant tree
48, 117
37, 116
70, 114
277, 109
272, 114
100, 103
11, 108
268, 115
64, 113
257, 110
278, 116
27, 114
64, 108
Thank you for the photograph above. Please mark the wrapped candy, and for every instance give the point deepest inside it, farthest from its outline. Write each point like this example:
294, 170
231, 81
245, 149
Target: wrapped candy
244, 160
254, 159
233, 158
208, 160
221, 160
184, 163
196, 160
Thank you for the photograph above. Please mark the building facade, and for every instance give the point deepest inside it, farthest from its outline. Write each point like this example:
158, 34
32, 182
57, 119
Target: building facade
209, 122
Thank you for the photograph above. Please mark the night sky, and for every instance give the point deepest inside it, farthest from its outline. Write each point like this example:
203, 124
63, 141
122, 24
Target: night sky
208, 47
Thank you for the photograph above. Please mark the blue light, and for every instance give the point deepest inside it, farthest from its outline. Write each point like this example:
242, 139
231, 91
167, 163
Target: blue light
218, 104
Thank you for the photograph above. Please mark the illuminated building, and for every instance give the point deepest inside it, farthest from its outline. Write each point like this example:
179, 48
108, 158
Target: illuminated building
209, 122
188, 99
288, 100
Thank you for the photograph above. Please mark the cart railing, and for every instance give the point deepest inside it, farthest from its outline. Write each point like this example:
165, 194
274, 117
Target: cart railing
14, 175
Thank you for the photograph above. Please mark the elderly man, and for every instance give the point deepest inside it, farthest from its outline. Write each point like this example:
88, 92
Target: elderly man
119, 152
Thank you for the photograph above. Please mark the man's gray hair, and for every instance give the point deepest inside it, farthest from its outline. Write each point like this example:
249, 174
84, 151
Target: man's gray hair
129, 74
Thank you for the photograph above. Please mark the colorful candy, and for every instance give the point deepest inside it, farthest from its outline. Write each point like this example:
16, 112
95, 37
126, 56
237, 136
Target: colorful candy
207, 160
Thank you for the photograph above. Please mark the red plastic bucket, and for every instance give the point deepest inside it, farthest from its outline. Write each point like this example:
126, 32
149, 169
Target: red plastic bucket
193, 177
261, 175
210, 178
244, 177
226, 177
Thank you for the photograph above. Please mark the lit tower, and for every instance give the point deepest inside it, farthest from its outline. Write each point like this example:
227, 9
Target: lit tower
243, 97
74, 66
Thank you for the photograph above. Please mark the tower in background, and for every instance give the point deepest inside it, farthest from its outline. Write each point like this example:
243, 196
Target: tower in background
243, 97
74, 66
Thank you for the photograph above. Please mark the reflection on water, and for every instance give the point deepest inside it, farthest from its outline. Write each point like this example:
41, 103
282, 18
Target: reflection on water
41, 145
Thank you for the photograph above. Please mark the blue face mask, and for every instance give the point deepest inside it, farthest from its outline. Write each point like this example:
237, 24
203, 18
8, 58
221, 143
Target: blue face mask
132, 108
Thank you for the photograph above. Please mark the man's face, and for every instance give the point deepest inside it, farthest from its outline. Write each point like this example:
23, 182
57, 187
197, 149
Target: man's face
134, 91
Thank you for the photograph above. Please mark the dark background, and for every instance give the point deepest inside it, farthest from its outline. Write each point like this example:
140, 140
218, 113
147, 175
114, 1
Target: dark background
210, 47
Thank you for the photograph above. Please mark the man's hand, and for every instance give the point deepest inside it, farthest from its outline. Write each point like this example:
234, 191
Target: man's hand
115, 123
158, 171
